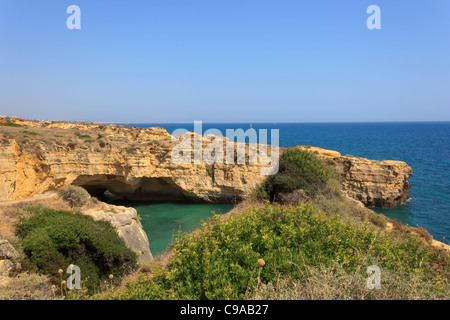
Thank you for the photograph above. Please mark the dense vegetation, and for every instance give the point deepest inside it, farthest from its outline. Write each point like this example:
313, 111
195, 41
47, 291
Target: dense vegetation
221, 261
298, 170
53, 240
305, 178
318, 250
275, 251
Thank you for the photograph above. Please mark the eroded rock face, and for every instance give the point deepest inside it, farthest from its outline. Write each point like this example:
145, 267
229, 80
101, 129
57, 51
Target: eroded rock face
9, 258
136, 164
125, 221
375, 183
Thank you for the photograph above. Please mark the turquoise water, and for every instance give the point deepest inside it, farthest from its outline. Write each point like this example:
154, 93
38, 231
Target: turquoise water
425, 146
163, 220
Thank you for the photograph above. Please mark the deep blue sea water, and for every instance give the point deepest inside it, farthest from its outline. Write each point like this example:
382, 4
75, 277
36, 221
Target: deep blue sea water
424, 146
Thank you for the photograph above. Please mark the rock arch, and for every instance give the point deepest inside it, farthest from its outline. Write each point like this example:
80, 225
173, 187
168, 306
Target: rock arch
137, 189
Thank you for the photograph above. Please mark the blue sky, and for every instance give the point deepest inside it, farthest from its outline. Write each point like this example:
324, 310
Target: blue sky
225, 61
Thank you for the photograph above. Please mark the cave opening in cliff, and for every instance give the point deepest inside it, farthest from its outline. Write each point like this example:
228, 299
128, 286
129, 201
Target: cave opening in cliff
111, 187
101, 192
164, 208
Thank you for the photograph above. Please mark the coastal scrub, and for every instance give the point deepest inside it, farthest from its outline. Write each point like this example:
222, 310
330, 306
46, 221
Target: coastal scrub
221, 260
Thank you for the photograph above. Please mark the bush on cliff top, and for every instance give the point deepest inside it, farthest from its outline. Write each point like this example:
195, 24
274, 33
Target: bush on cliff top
53, 240
221, 261
298, 169
76, 196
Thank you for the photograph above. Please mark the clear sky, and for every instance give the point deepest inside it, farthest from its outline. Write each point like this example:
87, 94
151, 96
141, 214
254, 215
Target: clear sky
225, 61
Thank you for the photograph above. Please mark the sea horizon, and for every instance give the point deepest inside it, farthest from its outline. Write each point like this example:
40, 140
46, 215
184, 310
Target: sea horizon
265, 122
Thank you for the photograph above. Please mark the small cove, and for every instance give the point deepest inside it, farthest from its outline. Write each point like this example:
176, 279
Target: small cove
162, 220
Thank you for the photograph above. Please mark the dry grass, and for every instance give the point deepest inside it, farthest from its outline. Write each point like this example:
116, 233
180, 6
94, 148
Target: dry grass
422, 232
334, 202
10, 215
334, 283
35, 136
26, 286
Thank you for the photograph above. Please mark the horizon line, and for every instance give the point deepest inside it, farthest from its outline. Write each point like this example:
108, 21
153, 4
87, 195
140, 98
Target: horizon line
262, 122
227, 122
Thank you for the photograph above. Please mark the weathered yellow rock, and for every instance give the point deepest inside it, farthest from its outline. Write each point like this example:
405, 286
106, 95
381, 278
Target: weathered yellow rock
125, 221
374, 183
321, 152
136, 163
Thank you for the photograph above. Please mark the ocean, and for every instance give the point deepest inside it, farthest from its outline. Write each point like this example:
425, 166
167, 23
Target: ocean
424, 146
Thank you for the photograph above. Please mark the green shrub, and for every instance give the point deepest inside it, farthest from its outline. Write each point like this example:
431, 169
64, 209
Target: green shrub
10, 124
260, 192
309, 162
76, 196
299, 169
221, 262
131, 149
101, 143
30, 133
209, 171
53, 240
85, 137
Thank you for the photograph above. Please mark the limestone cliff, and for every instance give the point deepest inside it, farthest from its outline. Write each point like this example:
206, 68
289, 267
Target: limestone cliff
136, 164
9, 258
125, 221
132, 162
374, 183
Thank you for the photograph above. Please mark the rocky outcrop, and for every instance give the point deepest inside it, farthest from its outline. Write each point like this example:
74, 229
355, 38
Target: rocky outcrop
375, 183
136, 163
9, 258
126, 222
